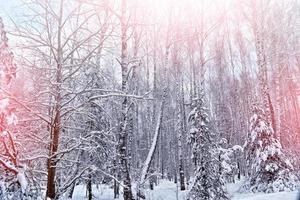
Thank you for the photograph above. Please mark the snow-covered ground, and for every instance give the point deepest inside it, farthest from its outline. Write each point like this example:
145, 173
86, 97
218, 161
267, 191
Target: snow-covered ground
233, 191
167, 191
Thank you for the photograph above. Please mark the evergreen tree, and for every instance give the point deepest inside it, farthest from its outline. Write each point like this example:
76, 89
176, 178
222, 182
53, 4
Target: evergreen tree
269, 169
208, 184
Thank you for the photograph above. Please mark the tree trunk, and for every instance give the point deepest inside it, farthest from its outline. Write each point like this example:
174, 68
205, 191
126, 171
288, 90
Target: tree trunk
181, 175
89, 188
123, 132
263, 77
116, 189
55, 131
151, 154
51, 162
116, 184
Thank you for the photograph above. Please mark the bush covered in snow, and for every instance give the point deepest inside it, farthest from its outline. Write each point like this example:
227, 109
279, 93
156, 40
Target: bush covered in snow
229, 163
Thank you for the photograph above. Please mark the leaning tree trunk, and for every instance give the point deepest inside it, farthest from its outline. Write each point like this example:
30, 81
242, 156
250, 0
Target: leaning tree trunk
150, 156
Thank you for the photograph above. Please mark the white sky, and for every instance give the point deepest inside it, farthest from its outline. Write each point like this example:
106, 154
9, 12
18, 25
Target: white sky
7, 7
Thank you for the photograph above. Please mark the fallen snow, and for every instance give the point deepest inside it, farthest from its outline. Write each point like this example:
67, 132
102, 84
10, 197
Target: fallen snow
166, 190
235, 195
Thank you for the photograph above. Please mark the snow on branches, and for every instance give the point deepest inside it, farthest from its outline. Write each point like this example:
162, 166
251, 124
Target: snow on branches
12, 175
269, 168
208, 184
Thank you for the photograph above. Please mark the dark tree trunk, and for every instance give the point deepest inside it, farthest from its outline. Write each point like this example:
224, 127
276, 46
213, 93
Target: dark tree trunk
116, 184
175, 177
89, 188
239, 170
51, 162
55, 131
181, 176
116, 189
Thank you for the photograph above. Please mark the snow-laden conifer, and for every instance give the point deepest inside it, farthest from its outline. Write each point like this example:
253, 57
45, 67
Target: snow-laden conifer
269, 169
208, 184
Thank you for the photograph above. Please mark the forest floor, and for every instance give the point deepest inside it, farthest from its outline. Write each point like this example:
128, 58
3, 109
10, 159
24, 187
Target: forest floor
167, 191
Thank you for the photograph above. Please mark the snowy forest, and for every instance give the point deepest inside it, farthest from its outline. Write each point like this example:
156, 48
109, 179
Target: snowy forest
149, 99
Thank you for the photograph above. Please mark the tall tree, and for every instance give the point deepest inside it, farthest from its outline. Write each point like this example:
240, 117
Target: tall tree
208, 184
123, 132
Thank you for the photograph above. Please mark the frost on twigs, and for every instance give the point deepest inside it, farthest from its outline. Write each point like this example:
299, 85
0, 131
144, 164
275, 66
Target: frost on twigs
269, 169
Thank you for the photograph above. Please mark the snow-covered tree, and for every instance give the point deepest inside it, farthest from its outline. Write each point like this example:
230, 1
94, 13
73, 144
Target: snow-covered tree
229, 164
208, 184
58, 85
13, 182
269, 168
90, 77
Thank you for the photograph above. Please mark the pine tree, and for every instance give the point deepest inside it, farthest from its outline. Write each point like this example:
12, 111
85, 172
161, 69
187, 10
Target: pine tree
208, 184
269, 169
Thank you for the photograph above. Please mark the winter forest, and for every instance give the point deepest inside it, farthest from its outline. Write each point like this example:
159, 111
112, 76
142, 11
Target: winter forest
149, 99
